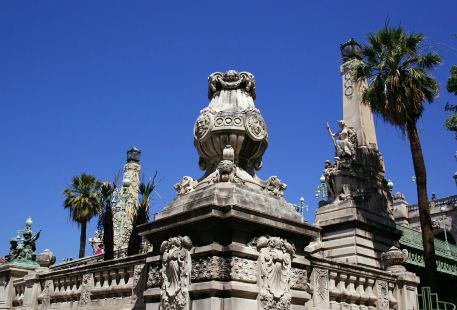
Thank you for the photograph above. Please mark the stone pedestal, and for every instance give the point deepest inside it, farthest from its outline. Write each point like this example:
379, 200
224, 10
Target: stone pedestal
357, 219
9, 273
239, 236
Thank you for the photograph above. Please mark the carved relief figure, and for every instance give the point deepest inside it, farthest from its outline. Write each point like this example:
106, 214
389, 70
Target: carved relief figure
344, 140
275, 257
186, 185
203, 124
274, 186
176, 269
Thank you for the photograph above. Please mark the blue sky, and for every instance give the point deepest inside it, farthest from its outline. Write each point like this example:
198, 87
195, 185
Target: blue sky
83, 81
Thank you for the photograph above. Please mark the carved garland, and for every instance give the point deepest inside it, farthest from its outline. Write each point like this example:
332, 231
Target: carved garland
176, 269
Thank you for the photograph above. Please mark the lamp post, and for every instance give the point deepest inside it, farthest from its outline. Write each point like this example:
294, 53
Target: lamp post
321, 190
301, 207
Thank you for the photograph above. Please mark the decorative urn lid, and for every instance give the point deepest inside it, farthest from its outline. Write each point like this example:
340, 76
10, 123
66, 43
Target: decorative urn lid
231, 119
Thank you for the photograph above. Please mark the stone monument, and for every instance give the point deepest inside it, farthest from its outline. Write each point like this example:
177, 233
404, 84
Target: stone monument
356, 219
229, 240
125, 201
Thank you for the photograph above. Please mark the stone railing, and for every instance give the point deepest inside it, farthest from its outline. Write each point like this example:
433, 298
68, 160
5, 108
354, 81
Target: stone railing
449, 202
344, 286
117, 282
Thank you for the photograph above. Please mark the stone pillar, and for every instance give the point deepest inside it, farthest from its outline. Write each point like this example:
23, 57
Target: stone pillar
355, 114
127, 201
9, 273
32, 290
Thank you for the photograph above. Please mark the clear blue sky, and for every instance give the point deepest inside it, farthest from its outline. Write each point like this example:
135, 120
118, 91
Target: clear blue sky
82, 81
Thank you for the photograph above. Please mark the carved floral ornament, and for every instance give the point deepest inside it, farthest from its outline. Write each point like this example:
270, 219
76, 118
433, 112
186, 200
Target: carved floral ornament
274, 276
175, 273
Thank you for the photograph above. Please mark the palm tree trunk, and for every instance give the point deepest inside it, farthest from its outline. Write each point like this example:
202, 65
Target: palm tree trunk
108, 234
82, 240
424, 210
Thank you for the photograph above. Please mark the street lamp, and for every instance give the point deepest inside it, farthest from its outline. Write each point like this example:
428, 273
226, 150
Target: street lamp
321, 190
351, 49
301, 207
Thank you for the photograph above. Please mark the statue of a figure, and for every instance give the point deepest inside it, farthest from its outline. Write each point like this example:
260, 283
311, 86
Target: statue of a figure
343, 140
28, 245
14, 250
329, 173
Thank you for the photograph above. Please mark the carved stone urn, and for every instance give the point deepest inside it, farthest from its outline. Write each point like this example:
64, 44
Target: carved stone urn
231, 119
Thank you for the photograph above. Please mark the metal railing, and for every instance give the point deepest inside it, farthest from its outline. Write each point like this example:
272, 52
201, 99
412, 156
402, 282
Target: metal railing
427, 300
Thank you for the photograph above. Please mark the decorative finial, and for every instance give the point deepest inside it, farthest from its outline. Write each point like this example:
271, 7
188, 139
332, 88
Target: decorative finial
231, 80
351, 49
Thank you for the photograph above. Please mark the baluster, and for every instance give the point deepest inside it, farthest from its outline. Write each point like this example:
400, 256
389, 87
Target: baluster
353, 296
121, 276
105, 279
98, 279
344, 292
392, 299
363, 296
129, 273
334, 292
371, 296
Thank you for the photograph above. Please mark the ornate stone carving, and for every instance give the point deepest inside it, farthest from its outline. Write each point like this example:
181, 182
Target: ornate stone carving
275, 257
46, 294
243, 270
86, 287
210, 268
186, 185
154, 277
176, 270
298, 280
344, 140
274, 186
255, 126
383, 295
321, 287
231, 80
394, 258
138, 282
203, 124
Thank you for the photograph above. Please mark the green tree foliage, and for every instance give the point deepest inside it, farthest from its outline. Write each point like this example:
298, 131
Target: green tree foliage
105, 221
399, 85
142, 215
82, 201
451, 122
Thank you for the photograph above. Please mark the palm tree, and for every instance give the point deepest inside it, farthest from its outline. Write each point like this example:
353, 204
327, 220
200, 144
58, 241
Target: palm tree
142, 214
105, 220
81, 199
397, 69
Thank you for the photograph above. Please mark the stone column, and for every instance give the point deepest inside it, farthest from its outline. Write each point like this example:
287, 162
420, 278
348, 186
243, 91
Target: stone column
355, 114
127, 201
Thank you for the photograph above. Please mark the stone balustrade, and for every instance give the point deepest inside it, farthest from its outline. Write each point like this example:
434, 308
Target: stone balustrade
344, 286
133, 282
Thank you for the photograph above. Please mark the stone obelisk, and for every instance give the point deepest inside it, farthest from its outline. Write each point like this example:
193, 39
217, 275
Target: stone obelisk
126, 201
356, 220
358, 116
